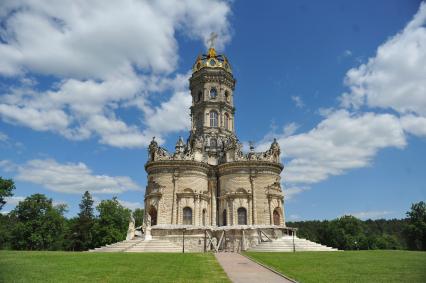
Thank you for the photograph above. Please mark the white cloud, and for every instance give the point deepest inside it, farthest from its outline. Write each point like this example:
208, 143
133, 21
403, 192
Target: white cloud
14, 200
415, 125
107, 57
342, 141
290, 192
7, 165
90, 39
130, 204
395, 77
73, 178
298, 101
369, 214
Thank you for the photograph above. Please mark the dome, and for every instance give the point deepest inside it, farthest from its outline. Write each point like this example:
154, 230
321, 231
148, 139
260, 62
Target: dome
211, 60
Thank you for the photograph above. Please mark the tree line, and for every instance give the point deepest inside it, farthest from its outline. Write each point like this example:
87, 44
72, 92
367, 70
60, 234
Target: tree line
37, 224
351, 233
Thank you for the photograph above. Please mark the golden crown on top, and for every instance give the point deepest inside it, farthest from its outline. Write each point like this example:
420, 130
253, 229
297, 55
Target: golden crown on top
211, 60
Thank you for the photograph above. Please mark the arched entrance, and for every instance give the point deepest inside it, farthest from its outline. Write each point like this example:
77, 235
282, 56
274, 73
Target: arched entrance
153, 215
187, 216
276, 216
242, 216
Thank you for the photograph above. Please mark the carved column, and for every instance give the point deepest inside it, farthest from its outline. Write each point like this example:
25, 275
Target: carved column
228, 212
199, 215
252, 183
196, 203
177, 210
249, 214
174, 180
269, 208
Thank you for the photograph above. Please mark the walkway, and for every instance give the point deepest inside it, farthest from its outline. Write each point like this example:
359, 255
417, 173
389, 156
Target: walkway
241, 269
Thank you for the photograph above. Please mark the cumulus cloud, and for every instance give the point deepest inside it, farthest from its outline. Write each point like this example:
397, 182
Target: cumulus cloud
340, 142
349, 138
90, 39
395, 77
106, 57
73, 178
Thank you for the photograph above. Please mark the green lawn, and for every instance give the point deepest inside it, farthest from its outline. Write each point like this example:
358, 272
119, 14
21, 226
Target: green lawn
348, 266
108, 267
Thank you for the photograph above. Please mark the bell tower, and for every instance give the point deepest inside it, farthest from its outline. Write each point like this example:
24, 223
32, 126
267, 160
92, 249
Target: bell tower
212, 112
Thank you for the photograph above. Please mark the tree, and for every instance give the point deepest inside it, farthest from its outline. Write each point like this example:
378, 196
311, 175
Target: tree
113, 222
81, 237
138, 216
38, 224
6, 190
6, 226
415, 230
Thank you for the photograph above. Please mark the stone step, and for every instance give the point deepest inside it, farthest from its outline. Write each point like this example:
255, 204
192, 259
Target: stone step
288, 244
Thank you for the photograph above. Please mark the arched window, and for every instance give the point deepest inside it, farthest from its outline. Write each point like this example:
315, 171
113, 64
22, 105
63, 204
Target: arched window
226, 121
227, 96
276, 216
204, 217
224, 217
199, 96
153, 215
213, 93
213, 119
242, 216
187, 216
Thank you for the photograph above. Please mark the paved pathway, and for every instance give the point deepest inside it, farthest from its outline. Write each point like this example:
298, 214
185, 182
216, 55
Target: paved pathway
241, 269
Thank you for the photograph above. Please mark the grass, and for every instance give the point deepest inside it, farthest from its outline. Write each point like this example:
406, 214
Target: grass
20, 266
348, 266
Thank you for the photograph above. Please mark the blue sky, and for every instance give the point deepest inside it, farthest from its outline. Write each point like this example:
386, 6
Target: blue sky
340, 84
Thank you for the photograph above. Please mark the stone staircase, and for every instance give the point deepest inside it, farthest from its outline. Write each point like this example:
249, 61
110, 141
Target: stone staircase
139, 245
285, 244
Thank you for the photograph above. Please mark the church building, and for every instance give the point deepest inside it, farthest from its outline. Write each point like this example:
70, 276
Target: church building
208, 181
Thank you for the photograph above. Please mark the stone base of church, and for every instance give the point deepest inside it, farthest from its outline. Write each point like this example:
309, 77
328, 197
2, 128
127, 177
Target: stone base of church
224, 238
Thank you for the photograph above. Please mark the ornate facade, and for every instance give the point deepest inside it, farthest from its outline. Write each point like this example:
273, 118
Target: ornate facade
208, 180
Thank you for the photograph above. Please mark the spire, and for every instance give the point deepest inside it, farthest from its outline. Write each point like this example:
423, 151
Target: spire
180, 145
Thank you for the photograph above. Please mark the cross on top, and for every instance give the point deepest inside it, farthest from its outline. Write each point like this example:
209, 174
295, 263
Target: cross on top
212, 39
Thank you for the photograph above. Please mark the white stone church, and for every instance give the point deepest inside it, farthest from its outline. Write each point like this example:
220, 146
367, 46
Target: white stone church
208, 194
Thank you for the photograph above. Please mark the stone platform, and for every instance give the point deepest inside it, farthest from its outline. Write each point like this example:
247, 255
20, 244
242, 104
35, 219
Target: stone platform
179, 238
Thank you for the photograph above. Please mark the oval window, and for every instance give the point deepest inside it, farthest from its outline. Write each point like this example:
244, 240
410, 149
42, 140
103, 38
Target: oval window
213, 93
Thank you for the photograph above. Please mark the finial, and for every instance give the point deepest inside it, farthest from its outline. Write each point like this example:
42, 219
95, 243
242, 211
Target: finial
251, 144
212, 39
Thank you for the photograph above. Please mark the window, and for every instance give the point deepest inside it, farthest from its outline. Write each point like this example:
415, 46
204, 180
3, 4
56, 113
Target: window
199, 96
213, 119
224, 217
227, 96
276, 216
213, 93
187, 216
226, 121
242, 216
